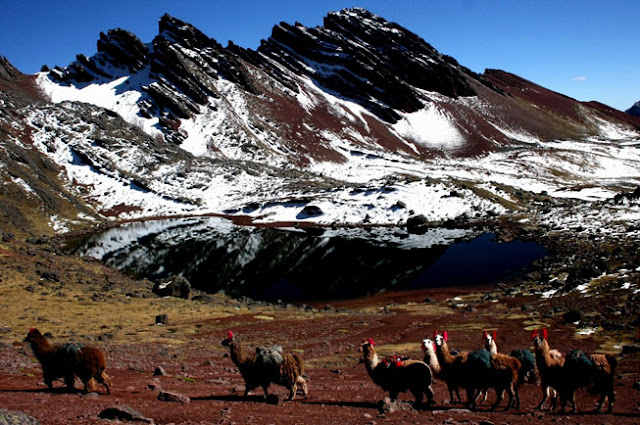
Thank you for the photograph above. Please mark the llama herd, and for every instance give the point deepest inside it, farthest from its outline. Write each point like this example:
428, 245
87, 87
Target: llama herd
484, 369
475, 372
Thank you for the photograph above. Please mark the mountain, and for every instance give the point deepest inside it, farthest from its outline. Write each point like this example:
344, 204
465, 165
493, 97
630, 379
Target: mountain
355, 121
635, 109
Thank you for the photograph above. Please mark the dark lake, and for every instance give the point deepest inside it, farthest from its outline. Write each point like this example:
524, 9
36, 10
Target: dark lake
293, 265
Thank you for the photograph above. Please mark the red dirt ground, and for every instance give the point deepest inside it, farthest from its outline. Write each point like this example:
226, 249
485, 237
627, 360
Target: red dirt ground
340, 390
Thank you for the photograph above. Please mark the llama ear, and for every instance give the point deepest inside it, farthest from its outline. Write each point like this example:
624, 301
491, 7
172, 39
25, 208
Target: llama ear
435, 334
495, 333
484, 334
544, 334
534, 334
445, 335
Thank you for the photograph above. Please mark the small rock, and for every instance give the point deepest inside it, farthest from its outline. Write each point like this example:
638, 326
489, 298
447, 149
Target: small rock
160, 371
309, 211
388, 406
162, 319
124, 412
630, 349
275, 399
14, 417
572, 316
91, 396
175, 397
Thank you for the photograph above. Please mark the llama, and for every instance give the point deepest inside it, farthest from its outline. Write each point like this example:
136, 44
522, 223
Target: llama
549, 364
396, 374
266, 366
469, 370
504, 373
595, 371
69, 360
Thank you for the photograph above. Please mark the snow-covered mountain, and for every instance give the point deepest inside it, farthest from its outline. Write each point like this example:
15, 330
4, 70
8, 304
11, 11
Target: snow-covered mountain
355, 121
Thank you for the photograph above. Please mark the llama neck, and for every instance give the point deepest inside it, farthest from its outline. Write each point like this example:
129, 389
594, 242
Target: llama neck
370, 358
543, 357
444, 355
431, 359
238, 354
492, 347
40, 346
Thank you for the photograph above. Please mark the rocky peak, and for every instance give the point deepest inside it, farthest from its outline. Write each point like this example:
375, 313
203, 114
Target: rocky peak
123, 49
367, 59
184, 34
635, 109
7, 71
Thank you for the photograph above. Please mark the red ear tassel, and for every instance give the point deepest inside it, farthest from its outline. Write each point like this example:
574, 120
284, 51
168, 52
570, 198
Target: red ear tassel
534, 333
372, 342
230, 335
484, 334
435, 334
544, 334
445, 335
494, 335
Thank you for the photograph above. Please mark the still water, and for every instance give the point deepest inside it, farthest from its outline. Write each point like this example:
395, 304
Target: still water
295, 265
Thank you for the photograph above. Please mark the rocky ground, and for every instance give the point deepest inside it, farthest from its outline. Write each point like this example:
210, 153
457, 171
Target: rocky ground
81, 300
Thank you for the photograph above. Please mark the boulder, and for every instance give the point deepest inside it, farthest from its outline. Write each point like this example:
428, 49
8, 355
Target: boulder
124, 413
175, 286
12, 417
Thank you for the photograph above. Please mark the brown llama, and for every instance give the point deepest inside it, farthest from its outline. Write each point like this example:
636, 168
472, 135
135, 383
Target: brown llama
504, 373
69, 360
396, 374
550, 368
264, 366
469, 370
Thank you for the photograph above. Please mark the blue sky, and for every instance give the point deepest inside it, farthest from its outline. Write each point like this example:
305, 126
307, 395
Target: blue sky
588, 49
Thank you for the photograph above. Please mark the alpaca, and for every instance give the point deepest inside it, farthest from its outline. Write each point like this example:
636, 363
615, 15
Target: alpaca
396, 374
595, 371
69, 360
469, 370
266, 366
549, 364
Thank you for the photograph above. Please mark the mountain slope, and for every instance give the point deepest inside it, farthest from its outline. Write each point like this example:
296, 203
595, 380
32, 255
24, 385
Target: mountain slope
356, 121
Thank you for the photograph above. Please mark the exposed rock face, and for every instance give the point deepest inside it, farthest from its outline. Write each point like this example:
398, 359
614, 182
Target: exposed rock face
7, 71
365, 58
635, 109
123, 48
284, 99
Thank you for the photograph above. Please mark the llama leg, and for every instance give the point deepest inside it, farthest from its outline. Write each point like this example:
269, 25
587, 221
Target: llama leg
293, 390
417, 393
48, 381
515, 390
429, 392
303, 384
499, 397
545, 396
105, 380
69, 381
90, 385
612, 398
